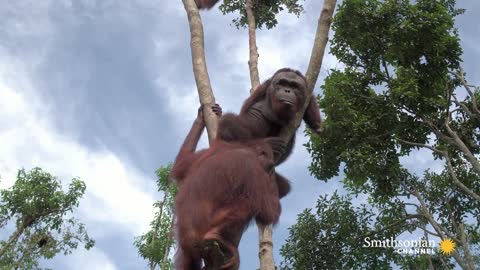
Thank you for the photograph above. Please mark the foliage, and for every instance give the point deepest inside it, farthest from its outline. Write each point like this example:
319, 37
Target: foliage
396, 75
402, 89
155, 245
333, 237
40, 213
265, 11
329, 238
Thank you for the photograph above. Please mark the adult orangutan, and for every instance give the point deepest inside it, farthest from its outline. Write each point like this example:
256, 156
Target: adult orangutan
221, 189
271, 107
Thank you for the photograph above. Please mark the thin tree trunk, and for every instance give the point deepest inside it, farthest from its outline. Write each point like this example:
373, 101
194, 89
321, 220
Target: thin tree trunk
200, 68
316, 58
153, 264
265, 253
252, 42
170, 237
265, 240
159, 222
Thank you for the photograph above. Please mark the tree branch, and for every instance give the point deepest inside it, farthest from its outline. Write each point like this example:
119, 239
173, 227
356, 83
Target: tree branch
429, 232
455, 179
466, 249
393, 224
200, 68
26, 223
462, 106
457, 182
439, 229
461, 78
462, 147
13, 238
429, 257
265, 241
422, 146
252, 42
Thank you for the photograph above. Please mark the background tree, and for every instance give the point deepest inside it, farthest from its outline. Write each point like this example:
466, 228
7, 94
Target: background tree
265, 11
155, 245
402, 89
40, 213
332, 237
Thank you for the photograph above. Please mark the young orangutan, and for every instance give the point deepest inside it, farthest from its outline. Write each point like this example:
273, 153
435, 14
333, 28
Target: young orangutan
221, 189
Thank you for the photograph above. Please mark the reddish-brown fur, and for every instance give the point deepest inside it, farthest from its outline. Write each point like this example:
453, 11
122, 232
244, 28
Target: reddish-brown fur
263, 115
221, 189
206, 4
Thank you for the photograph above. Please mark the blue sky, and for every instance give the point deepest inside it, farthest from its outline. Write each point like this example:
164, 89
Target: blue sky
104, 90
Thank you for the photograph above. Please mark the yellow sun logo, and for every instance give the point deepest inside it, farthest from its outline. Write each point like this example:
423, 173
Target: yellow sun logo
447, 246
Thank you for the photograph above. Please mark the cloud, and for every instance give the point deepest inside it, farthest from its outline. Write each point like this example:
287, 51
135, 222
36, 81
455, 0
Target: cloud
83, 259
117, 195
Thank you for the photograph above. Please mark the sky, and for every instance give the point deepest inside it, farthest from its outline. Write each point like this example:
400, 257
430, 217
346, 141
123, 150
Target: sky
104, 91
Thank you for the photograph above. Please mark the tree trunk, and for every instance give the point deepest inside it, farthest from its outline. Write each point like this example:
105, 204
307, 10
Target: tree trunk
252, 43
265, 240
200, 68
266, 247
171, 233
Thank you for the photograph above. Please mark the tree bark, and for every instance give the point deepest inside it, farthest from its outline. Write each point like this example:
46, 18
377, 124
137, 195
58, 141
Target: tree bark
462, 147
265, 240
316, 58
200, 68
265, 253
252, 42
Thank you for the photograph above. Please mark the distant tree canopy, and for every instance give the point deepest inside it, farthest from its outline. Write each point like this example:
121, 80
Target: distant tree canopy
332, 237
40, 214
265, 11
156, 244
400, 89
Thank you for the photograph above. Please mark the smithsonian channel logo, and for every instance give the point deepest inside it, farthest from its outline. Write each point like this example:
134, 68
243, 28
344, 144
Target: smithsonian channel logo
418, 246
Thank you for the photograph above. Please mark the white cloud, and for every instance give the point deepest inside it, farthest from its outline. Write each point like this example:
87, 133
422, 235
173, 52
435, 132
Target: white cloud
420, 160
83, 259
117, 194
